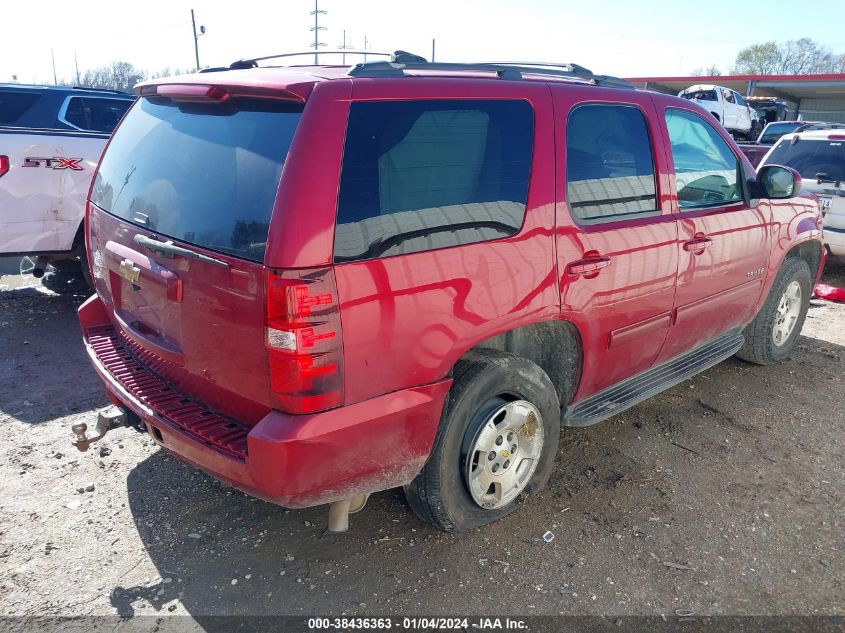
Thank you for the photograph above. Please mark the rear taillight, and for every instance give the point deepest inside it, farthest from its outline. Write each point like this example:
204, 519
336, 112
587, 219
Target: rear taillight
4, 165
304, 341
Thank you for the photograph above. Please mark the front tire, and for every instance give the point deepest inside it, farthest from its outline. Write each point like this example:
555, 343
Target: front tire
497, 440
771, 336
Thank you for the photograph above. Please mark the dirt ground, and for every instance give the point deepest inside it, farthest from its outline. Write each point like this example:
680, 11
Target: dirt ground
724, 495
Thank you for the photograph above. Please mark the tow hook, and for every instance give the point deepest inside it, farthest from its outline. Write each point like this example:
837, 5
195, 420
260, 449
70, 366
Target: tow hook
109, 418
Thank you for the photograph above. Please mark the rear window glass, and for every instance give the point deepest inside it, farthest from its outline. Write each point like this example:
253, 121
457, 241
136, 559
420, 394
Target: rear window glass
774, 131
206, 175
818, 158
14, 104
420, 175
95, 114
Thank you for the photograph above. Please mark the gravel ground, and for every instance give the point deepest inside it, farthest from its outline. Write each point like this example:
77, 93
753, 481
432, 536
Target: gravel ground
723, 495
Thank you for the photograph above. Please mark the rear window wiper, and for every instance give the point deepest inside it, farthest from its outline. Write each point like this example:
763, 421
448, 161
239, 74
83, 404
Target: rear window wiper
168, 249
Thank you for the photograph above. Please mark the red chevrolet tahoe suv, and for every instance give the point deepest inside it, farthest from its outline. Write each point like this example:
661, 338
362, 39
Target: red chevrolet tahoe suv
318, 282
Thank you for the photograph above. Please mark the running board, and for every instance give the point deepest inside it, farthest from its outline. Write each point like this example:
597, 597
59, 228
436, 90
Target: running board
626, 394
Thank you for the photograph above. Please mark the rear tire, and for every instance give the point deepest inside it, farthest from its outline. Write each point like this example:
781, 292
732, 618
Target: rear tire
771, 336
491, 391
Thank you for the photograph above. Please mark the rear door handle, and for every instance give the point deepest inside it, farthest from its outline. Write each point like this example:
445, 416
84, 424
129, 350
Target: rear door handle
589, 266
697, 244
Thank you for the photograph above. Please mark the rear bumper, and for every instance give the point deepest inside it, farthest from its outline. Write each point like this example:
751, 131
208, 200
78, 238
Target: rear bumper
292, 460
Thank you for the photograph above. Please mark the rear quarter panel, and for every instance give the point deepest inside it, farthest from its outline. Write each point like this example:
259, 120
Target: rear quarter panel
407, 319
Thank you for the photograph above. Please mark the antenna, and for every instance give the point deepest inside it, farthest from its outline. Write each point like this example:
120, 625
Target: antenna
317, 28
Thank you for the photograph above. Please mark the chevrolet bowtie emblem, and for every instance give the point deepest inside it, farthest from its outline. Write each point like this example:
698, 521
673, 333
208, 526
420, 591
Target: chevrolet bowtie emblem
129, 271
505, 453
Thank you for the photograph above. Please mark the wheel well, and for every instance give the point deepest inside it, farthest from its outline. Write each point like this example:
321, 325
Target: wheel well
553, 345
810, 252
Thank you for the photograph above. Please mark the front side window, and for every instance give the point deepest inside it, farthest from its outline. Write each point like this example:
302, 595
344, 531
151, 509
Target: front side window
706, 170
739, 99
609, 164
422, 175
95, 114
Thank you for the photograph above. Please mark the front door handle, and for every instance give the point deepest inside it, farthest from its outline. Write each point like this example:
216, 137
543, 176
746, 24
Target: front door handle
589, 266
698, 244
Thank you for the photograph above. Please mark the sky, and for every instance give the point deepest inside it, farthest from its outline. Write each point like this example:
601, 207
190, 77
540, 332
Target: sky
617, 37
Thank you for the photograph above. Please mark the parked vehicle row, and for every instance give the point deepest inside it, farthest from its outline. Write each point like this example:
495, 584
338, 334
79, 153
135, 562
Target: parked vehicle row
51, 139
775, 131
316, 283
819, 156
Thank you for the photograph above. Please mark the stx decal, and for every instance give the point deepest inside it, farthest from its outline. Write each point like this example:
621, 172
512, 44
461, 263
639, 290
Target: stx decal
57, 162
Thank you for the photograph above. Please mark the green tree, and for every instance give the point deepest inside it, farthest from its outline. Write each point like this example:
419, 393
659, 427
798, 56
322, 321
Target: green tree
794, 57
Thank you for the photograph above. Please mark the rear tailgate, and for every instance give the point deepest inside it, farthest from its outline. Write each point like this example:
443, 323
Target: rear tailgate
201, 176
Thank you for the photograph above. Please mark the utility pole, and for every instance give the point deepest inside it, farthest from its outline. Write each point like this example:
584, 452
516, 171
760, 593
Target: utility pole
76, 63
317, 28
432, 50
345, 46
196, 41
55, 79
365, 48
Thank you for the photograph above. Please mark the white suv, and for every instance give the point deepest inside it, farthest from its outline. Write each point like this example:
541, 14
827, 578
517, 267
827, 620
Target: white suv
819, 156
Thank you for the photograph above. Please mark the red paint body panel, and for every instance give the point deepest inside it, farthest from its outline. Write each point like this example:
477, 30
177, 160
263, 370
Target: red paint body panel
407, 319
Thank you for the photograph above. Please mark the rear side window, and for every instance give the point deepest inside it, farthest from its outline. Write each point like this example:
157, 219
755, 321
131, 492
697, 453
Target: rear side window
421, 175
706, 170
822, 159
14, 104
95, 114
609, 164
206, 175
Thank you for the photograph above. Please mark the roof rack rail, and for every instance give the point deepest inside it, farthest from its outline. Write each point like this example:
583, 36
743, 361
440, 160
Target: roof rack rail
111, 90
504, 70
396, 56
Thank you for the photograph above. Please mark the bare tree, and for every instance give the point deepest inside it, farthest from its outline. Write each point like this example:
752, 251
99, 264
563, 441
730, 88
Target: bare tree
795, 57
710, 71
116, 76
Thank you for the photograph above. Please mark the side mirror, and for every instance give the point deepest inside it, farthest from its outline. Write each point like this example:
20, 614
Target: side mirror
777, 181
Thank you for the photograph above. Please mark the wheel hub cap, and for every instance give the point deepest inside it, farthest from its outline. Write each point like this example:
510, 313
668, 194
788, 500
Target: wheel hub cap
789, 308
504, 454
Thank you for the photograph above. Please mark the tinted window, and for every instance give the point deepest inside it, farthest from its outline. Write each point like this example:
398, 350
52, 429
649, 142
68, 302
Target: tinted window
95, 114
701, 95
201, 174
811, 157
706, 170
609, 164
774, 131
14, 104
420, 175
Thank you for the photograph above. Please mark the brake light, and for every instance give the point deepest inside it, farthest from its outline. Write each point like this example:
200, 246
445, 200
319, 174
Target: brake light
187, 92
304, 340
4, 165
836, 137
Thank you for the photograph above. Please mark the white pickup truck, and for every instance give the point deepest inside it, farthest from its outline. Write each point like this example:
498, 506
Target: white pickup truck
728, 107
51, 138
